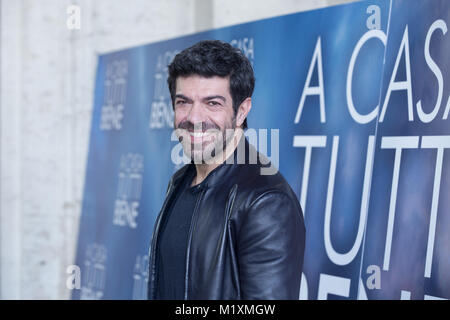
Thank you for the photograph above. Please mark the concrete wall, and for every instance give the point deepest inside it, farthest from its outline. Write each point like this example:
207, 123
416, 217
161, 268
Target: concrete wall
47, 82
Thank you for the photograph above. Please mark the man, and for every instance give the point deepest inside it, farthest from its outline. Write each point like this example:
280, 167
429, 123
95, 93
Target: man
225, 231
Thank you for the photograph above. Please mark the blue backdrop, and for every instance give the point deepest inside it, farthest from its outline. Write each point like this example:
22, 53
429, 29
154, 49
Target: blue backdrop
359, 94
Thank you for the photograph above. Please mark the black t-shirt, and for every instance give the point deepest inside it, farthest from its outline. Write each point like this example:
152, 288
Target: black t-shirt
171, 251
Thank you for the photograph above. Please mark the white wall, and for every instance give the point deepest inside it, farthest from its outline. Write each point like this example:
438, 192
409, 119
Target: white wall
47, 83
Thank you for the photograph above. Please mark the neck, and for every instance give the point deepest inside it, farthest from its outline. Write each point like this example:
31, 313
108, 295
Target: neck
204, 169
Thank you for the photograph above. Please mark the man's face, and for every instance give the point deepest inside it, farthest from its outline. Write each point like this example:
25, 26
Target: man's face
203, 113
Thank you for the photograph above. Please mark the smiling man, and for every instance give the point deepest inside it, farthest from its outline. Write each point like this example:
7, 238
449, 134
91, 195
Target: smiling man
225, 231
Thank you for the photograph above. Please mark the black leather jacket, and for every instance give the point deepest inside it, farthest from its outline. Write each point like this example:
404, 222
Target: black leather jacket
247, 236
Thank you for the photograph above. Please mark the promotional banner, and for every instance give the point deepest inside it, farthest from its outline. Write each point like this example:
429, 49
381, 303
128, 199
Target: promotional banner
351, 104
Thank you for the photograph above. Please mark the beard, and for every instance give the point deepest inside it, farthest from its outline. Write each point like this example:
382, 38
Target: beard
205, 142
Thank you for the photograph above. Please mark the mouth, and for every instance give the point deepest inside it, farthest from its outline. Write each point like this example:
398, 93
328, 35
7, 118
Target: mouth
197, 137
197, 134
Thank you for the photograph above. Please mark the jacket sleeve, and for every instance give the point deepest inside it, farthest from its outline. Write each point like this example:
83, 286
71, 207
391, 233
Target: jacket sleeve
270, 248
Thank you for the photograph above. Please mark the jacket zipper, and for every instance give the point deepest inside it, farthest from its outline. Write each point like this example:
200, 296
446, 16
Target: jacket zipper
188, 250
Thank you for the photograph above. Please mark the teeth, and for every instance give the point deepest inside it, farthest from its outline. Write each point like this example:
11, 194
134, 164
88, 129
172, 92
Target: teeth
197, 134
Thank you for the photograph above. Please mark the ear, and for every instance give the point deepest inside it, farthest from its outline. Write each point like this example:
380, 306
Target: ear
243, 111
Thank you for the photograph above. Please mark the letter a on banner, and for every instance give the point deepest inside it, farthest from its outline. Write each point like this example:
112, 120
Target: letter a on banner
319, 90
401, 85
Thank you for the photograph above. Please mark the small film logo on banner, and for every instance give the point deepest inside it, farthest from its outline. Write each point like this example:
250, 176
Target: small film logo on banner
129, 190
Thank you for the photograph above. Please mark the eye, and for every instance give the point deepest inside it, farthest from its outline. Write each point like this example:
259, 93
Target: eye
213, 103
180, 102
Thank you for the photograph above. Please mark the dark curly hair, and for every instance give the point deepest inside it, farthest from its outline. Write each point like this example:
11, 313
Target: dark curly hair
214, 58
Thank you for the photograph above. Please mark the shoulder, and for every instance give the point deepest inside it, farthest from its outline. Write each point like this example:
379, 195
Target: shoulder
255, 187
266, 207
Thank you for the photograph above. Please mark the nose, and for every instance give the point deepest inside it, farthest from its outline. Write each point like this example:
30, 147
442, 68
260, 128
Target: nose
196, 114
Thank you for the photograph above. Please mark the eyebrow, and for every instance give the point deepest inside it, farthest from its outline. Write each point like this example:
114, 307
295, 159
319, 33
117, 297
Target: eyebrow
182, 96
215, 97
